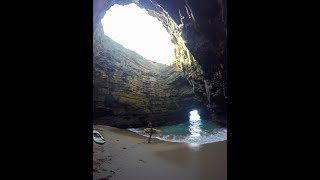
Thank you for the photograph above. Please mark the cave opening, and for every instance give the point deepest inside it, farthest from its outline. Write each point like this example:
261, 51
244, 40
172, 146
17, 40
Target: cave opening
135, 29
195, 123
194, 115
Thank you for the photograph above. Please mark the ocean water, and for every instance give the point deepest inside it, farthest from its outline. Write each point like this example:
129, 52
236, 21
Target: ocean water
194, 132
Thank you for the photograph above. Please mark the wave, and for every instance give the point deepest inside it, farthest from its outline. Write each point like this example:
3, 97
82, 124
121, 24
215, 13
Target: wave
203, 137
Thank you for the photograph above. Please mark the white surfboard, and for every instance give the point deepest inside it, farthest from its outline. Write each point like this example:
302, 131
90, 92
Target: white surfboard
98, 138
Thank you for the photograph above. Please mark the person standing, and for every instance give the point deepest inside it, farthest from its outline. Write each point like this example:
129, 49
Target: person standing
150, 134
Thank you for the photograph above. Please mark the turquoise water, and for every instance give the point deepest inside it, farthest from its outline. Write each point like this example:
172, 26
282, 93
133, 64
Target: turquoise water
196, 131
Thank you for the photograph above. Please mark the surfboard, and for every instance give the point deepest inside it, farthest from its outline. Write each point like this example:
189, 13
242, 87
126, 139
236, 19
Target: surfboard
154, 131
98, 138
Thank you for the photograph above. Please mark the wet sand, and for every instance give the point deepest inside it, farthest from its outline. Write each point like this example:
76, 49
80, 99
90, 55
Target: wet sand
127, 155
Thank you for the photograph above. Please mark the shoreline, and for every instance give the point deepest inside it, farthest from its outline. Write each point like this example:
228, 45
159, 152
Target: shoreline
183, 139
127, 155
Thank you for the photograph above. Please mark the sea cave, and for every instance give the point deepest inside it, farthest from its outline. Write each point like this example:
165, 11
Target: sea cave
163, 65
131, 88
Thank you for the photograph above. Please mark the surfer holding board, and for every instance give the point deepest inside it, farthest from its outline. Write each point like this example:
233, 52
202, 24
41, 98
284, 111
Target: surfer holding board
150, 130
150, 134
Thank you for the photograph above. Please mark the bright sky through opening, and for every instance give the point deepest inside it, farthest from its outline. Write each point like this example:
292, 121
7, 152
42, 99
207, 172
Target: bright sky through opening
195, 123
194, 116
136, 30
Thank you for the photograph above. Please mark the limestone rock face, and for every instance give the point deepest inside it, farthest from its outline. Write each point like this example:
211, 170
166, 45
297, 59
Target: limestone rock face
201, 26
128, 90
197, 78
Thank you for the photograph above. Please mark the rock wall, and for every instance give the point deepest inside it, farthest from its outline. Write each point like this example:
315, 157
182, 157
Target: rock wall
128, 90
198, 30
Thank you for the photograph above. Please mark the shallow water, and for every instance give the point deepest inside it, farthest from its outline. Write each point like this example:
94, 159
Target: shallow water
195, 132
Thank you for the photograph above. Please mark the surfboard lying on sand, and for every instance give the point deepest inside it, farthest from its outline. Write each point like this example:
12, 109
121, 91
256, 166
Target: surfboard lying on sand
154, 131
97, 137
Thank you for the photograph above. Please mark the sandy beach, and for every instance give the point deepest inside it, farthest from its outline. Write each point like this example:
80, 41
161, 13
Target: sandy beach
127, 155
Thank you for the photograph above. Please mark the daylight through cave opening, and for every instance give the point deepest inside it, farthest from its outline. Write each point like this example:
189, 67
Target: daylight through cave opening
135, 29
195, 123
